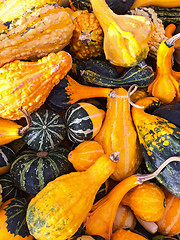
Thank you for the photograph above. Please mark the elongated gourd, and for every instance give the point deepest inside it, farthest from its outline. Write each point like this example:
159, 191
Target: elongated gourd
100, 219
27, 84
160, 3
125, 37
59, 209
118, 134
35, 34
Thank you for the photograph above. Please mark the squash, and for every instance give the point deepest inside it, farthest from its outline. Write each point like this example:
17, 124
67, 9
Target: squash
124, 218
27, 84
31, 171
47, 130
11, 130
159, 140
169, 224
7, 156
58, 210
150, 227
141, 197
125, 36
12, 9
69, 91
85, 155
13, 220
80, 5
87, 237
122, 234
161, 3
35, 34
101, 217
87, 39
118, 134
9, 190
161, 237
83, 121
141, 74
166, 83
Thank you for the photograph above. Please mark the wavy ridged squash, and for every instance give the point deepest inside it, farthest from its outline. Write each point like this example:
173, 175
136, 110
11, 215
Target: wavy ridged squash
27, 84
118, 134
35, 34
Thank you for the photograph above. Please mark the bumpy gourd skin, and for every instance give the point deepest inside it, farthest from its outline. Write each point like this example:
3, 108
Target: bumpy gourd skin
35, 34
27, 84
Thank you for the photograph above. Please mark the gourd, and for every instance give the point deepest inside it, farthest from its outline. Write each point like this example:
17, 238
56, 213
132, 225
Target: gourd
122, 234
161, 3
80, 5
7, 156
31, 171
169, 224
101, 217
87, 39
124, 218
88, 237
35, 34
125, 36
159, 140
141, 74
13, 220
85, 155
9, 190
11, 130
69, 91
83, 121
46, 131
65, 201
12, 9
27, 84
140, 198
166, 83
118, 134
0, 194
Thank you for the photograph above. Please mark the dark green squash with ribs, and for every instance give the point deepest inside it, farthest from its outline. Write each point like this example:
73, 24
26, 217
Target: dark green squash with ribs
159, 140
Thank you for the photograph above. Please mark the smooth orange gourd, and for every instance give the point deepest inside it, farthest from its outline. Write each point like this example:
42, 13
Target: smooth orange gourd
147, 201
122, 234
85, 155
118, 134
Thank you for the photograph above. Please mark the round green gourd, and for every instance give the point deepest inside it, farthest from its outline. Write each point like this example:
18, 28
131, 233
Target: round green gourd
7, 156
32, 170
46, 131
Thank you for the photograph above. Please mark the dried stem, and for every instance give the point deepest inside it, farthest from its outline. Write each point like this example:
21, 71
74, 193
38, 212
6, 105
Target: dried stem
22, 131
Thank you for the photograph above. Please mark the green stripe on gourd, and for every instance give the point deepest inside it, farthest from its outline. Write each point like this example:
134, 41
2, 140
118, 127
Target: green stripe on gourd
46, 131
32, 170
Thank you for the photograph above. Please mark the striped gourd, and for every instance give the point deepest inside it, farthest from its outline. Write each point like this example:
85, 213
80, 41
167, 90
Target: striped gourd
32, 170
9, 190
83, 121
47, 130
7, 156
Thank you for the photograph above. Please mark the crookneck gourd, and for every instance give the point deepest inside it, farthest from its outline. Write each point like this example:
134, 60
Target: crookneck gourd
35, 34
125, 37
159, 140
58, 210
166, 83
118, 134
27, 84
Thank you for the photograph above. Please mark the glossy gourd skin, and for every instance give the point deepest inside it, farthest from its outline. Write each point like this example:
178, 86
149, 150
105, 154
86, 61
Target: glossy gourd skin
122, 234
66, 204
27, 84
35, 34
7, 156
118, 134
159, 140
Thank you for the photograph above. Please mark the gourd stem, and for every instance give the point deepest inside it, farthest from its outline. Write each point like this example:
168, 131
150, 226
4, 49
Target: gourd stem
145, 177
171, 41
22, 130
130, 92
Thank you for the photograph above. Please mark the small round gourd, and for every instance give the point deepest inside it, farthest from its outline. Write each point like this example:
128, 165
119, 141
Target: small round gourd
88, 237
83, 121
47, 130
7, 156
32, 170
13, 220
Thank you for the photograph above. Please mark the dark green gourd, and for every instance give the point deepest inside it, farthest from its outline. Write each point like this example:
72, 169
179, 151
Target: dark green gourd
7, 156
32, 170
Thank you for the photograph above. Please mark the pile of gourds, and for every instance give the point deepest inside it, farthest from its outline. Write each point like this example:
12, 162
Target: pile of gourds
89, 120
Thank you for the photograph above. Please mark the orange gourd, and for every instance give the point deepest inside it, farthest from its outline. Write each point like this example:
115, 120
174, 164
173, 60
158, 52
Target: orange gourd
85, 155
147, 201
166, 83
169, 224
122, 234
100, 219
118, 134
